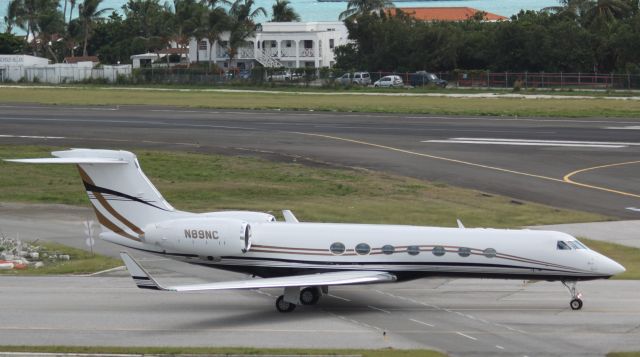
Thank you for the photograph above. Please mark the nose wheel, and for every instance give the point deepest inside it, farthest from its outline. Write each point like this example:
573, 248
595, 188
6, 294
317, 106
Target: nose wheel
576, 297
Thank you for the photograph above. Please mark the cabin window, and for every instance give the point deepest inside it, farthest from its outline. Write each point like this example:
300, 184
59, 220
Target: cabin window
413, 250
563, 246
464, 252
438, 251
489, 253
388, 249
363, 249
337, 248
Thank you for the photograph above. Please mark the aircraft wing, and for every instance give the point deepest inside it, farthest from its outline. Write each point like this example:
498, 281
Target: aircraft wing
144, 281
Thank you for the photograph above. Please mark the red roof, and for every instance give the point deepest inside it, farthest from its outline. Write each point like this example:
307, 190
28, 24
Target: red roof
446, 13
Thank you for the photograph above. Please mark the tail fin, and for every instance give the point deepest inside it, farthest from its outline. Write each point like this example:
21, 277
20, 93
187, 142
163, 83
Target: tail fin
123, 198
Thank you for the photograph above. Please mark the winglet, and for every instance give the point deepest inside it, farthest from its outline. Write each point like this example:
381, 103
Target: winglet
140, 276
289, 217
460, 225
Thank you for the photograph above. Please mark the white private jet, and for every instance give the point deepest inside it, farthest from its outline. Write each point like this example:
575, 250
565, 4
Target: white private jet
306, 258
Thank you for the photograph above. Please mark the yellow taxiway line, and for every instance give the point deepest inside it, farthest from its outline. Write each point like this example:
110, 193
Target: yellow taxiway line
566, 179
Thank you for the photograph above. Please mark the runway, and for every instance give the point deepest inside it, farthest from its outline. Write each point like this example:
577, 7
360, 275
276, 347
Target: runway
584, 164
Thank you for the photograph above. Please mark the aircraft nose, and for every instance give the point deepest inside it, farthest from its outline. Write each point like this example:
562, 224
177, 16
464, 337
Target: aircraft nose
611, 267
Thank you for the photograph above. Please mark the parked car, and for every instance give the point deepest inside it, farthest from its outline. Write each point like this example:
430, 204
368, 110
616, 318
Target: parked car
280, 76
389, 81
357, 78
423, 78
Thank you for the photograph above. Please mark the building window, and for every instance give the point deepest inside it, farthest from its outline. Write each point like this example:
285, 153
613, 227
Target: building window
288, 44
337, 248
388, 249
308, 44
363, 249
464, 252
489, 253
413, 250
202, 45
331, 43
438, 251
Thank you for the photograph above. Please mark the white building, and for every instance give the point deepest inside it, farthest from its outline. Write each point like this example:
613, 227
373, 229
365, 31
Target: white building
278, 44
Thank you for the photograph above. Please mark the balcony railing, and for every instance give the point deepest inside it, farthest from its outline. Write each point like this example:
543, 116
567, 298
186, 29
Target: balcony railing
307, 52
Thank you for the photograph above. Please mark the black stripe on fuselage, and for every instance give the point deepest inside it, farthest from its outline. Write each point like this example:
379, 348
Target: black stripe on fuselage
93, 188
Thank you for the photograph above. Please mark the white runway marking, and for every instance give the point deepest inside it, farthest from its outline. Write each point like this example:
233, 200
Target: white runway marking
339, 297
527, 142
467, 336
499, 347
635, 209
632, 127
379, 309
422, 323
32, 137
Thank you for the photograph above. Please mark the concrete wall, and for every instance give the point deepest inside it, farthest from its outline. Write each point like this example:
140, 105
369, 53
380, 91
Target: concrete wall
62, 73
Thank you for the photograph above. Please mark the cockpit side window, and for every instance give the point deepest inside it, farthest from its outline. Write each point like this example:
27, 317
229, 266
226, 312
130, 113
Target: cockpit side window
563, 246
577, 244
573, 244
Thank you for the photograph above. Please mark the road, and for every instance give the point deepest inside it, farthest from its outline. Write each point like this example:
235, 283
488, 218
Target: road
585, 164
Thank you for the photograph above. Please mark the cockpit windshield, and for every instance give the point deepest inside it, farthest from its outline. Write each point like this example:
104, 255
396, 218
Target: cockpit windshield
569, 245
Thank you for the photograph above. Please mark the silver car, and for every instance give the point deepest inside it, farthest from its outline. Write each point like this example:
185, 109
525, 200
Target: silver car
389, 81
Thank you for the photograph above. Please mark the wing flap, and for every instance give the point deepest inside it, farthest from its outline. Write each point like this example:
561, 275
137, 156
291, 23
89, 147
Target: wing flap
145, 281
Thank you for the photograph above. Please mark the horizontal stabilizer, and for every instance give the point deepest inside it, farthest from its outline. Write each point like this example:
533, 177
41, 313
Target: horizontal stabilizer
70, 160
145, 281
289, 216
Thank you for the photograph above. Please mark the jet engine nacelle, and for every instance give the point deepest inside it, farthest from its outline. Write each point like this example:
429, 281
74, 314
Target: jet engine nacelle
202, 236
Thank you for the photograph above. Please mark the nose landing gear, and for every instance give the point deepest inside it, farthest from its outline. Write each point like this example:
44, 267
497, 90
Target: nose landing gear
576, 297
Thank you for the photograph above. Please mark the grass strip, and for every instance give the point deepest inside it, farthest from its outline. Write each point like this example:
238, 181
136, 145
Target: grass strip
564, 107
81, 262
198, 182
177, 351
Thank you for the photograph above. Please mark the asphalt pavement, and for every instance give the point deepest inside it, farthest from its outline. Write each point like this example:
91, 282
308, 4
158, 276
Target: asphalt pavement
584, 164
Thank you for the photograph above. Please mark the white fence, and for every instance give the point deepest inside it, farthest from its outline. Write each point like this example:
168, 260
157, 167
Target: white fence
63, 73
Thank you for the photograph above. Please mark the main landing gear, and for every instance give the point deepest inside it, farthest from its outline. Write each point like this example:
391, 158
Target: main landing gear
576, 297
293, 297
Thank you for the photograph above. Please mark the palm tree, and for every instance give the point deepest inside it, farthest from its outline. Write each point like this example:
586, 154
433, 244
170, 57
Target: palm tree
361, 7
282, 12
217, 22
242, 25
73, 5
89, 14
188, 18
606, 11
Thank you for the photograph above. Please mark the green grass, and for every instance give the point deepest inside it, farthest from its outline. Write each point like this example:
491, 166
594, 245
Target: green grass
629, 257
197, 182
220, 351
565, 107
81, 262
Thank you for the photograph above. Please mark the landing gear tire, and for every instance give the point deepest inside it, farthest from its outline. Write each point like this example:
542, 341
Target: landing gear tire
309, 296
576, 304
283, 306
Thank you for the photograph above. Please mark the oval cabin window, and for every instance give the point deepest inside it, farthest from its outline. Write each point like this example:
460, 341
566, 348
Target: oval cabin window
490, 253
388, 249
464, 252
413, 250
337, 248
363, 248
438, 251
